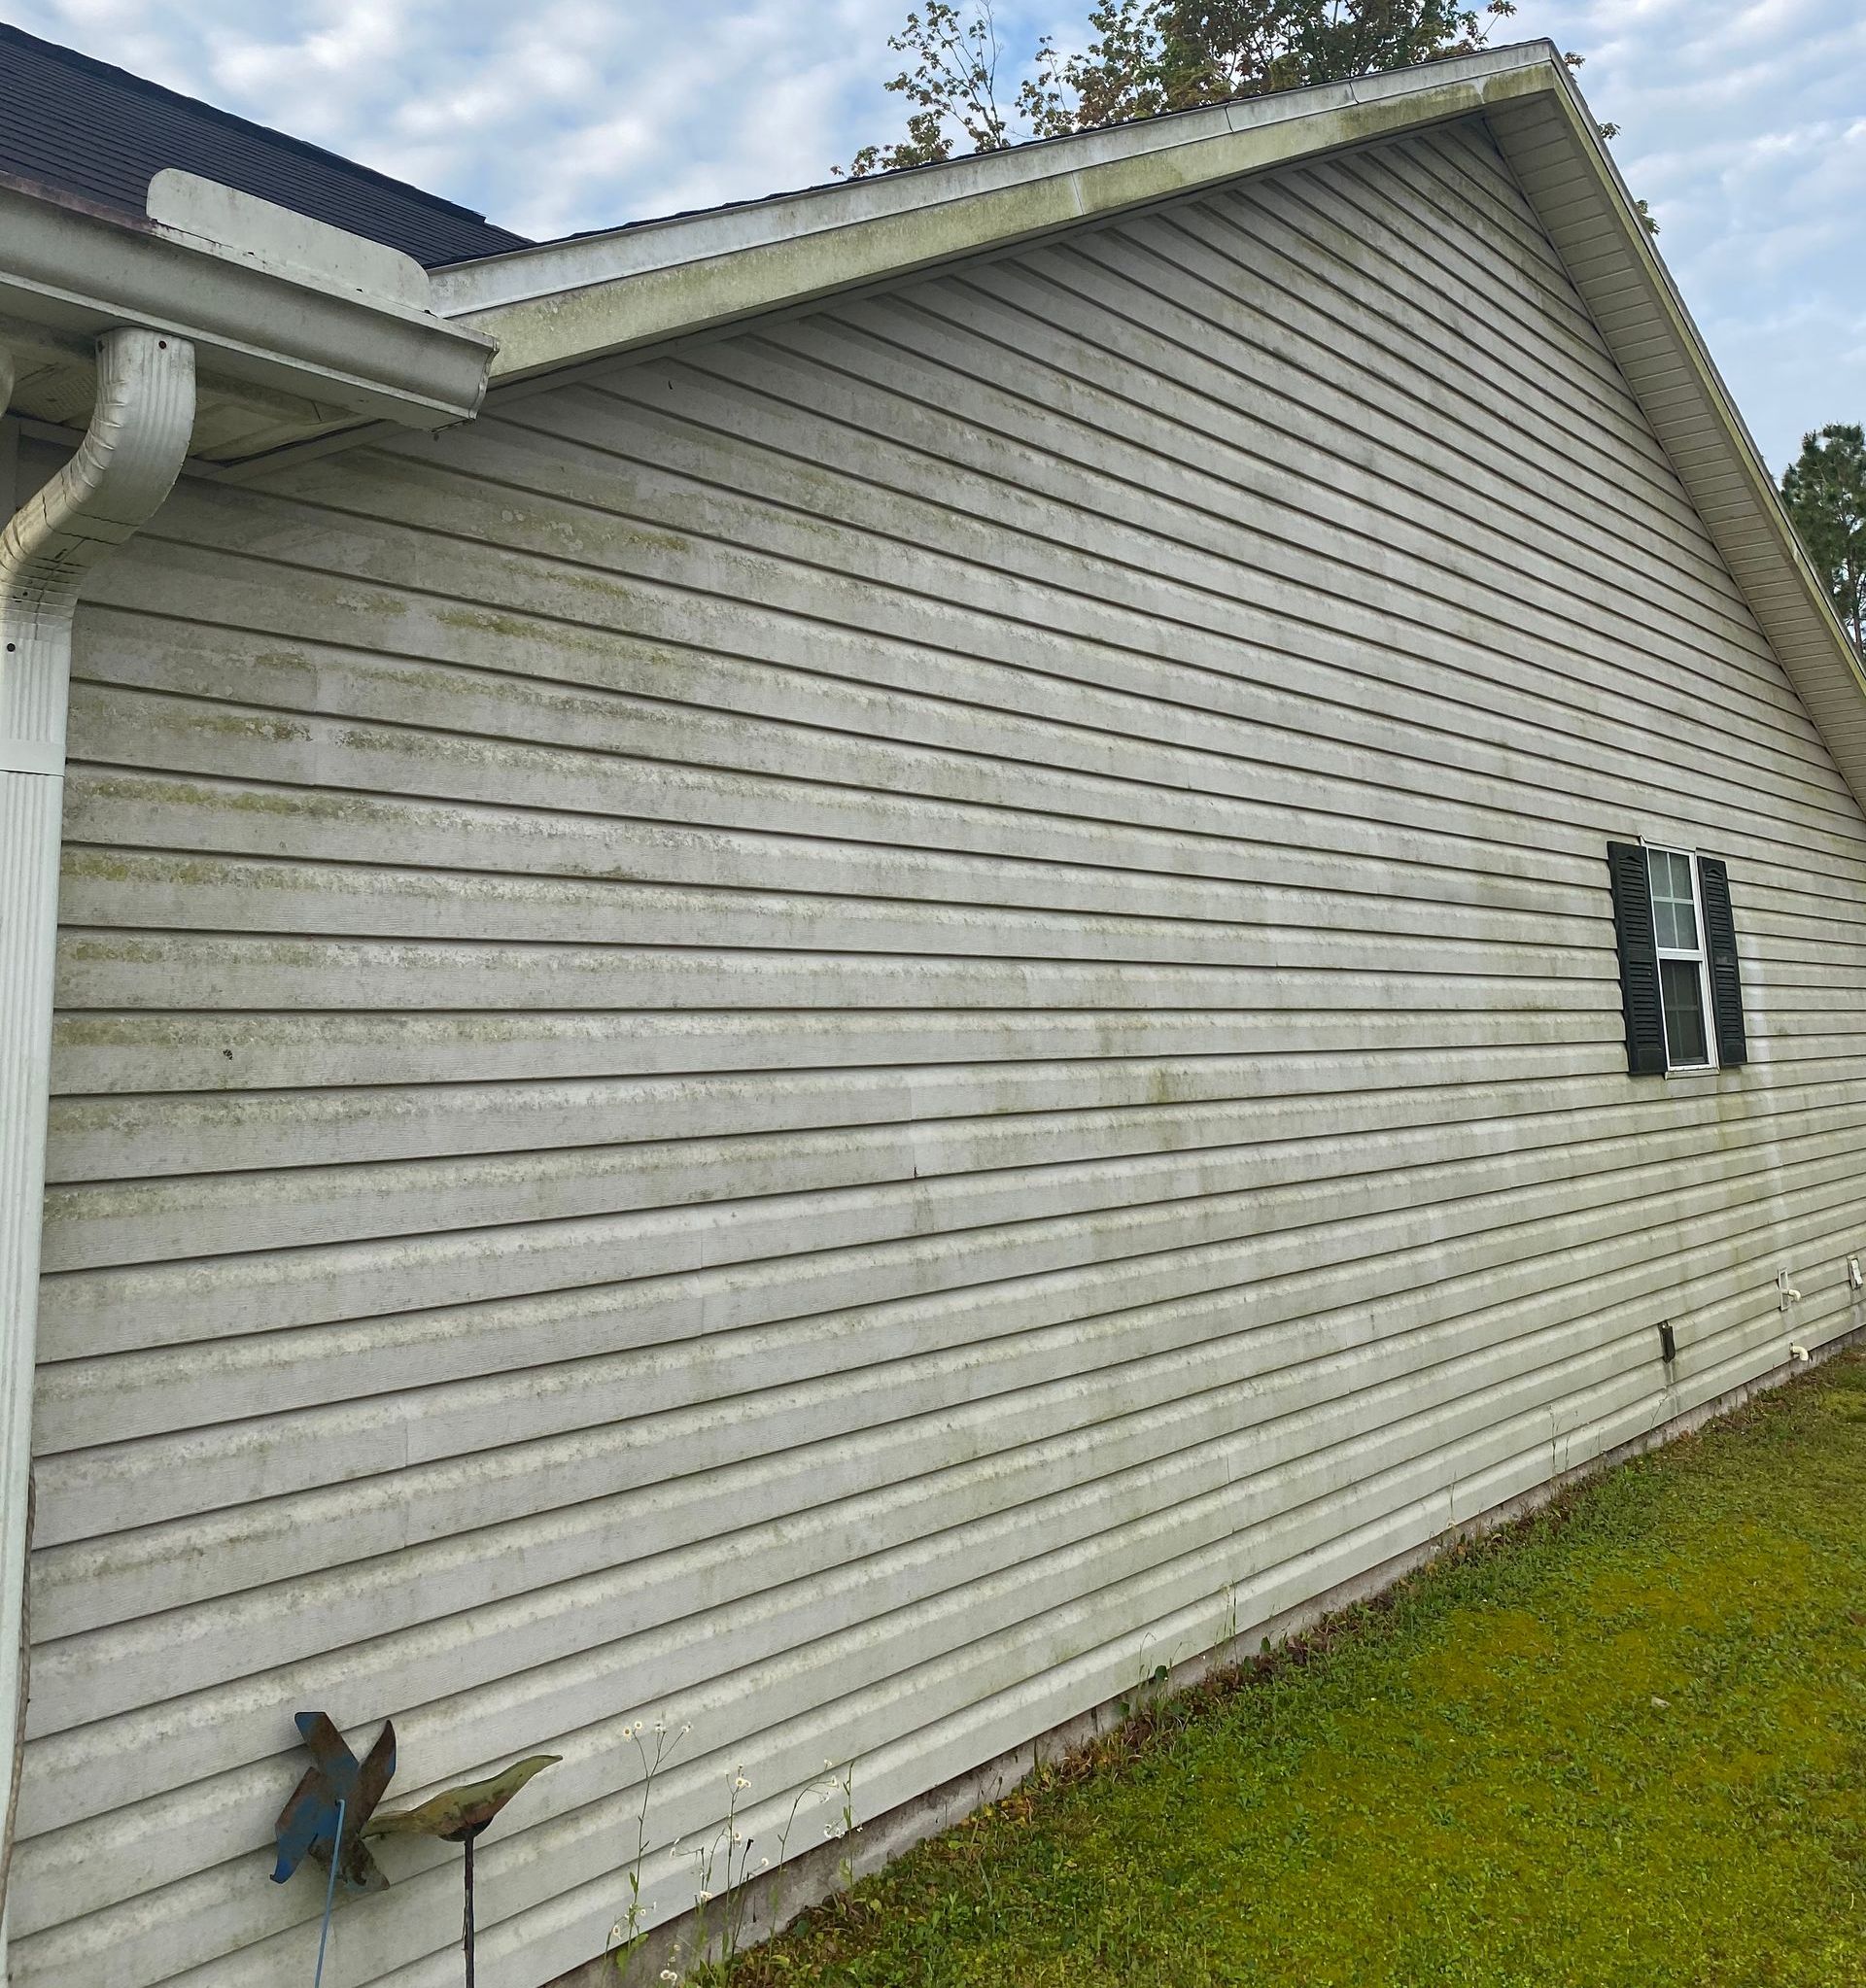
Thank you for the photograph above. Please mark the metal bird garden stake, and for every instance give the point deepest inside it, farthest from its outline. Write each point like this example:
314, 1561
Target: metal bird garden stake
325, 1818
458, 1816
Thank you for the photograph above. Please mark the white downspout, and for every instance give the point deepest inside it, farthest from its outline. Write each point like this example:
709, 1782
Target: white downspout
124, 468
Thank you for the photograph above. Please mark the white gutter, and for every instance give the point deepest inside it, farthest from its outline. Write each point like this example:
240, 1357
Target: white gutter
305, 324
124, 467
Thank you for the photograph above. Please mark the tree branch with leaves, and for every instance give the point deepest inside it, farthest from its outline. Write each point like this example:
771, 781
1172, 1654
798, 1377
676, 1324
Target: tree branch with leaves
1142, 59
1825, 492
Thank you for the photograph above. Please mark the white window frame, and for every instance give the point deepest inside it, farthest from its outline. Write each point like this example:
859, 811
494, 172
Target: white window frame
1701, 958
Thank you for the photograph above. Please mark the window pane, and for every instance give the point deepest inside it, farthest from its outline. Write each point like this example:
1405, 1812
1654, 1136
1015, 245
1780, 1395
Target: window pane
1685, 919
1681, 993
1675, 914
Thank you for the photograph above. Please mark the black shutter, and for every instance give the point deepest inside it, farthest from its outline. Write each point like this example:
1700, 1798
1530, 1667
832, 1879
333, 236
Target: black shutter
1639, 959
1720, 945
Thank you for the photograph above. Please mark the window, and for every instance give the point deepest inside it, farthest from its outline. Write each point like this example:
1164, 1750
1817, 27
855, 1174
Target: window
1684, 985
1680, 985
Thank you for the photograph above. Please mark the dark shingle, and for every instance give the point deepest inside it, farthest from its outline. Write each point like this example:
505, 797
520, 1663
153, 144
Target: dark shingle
101, 133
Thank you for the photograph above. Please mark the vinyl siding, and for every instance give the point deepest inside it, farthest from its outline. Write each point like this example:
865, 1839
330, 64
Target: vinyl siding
843, 1033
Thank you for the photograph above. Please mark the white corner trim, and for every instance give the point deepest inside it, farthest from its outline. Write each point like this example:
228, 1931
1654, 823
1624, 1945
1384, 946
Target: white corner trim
124, 468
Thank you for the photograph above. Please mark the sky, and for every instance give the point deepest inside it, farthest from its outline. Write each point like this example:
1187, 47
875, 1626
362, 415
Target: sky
1744, 124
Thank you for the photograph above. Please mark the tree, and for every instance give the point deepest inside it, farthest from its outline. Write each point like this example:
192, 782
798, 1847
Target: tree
1825, 492
1148, 56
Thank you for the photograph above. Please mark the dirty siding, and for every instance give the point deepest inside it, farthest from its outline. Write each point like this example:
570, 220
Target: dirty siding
847, 1035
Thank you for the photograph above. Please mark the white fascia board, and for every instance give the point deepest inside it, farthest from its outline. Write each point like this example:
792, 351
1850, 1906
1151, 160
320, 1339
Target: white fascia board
79, 272
567, 303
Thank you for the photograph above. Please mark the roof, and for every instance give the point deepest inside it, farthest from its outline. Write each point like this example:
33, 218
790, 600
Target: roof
85, 129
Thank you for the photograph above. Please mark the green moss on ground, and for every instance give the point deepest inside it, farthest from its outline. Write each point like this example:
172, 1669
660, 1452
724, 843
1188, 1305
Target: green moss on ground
1621, 1744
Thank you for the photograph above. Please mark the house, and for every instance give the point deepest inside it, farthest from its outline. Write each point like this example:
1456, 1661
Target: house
836, 969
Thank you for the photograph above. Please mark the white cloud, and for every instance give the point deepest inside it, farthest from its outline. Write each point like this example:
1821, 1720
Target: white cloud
1742, 125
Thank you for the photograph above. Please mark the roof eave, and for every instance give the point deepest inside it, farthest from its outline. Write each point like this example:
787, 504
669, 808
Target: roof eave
74, 272
569, 302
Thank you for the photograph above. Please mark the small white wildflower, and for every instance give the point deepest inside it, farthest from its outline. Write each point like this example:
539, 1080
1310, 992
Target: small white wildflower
829, 1829
616, 1932
660, 1724
830, 1764
739, 1781
684, 1731
764, 1863
704, 1895
737, 1835
668, 1974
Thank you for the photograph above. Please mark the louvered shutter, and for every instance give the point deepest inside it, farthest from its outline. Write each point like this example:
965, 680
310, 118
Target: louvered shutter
1638, 960
1721, 948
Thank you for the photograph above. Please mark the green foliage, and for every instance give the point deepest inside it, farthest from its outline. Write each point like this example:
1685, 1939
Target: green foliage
1825, 492
1618, 1746
952, 88
1145, 58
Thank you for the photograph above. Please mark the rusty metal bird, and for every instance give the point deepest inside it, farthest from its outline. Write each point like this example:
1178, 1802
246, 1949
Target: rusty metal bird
457, 1815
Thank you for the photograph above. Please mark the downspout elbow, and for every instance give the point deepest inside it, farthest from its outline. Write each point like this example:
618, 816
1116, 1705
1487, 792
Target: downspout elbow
125, 466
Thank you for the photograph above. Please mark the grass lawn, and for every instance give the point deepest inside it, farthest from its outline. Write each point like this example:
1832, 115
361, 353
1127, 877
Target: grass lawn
1622, 1743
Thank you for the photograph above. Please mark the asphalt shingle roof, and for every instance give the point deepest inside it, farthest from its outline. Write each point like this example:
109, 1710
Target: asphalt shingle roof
81, 126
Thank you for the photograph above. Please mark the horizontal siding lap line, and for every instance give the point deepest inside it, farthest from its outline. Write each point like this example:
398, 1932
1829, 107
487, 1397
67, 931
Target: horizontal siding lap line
116, 1055
1373, 597
1444, 234
92, 1311
126, 1676
151, 1135
154, 885
1198, 442
151, 884
194, 1215
739, 790
983, 1738
535, 421
1151, 486
1317, 1309
1593, 492
1372, 636
1304, 231
1303, 297
1328, 1414
534, 1415
154, 1661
